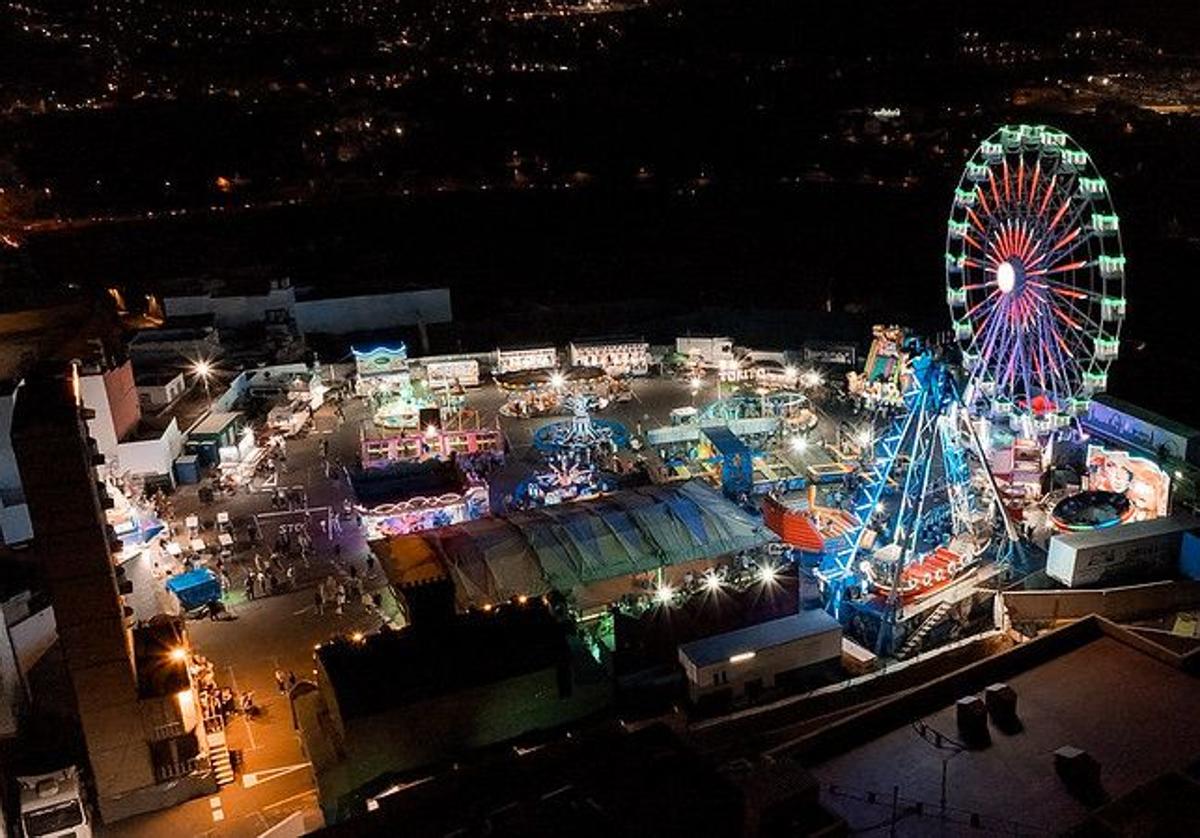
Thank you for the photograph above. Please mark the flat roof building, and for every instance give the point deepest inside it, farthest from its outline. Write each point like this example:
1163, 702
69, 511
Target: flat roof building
751, 658
1126, 702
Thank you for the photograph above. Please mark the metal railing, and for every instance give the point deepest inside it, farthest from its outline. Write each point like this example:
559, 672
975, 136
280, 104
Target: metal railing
164, 771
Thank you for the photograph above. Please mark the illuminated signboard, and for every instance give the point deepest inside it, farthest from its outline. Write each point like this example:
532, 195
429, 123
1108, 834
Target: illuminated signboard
1147, 486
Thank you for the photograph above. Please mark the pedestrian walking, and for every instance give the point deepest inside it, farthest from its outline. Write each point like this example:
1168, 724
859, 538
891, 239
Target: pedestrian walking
318, 600
250, 585
260, 581
291, 576
340, 599
281, 680
226, 582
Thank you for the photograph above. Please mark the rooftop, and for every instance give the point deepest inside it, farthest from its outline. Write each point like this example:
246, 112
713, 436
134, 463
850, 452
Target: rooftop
404, 481
1145, 415
214, 423
610, 784
721, 647
609, 340
569, 547
1092, 685
468, 650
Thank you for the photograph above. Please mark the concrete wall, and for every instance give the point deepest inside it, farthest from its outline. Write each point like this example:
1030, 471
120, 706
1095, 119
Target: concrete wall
232, 311
33, 637
11, 692
1118, 604
374, 312
151, 456
123, 401
113, 396
15, 527
157, 395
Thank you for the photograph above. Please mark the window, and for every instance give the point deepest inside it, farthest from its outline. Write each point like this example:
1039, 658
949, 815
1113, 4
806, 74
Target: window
53, 819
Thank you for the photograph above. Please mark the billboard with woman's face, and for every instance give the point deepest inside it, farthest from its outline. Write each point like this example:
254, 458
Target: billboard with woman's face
1146, 485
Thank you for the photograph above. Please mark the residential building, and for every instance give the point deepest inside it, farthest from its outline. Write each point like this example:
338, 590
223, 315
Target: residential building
132, 689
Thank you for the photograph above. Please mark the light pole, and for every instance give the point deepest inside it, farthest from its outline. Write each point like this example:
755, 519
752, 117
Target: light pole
203, 370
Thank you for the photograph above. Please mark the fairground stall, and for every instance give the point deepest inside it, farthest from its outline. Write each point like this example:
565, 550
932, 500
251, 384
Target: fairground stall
617, 356
460, 438
407, 498
520, 358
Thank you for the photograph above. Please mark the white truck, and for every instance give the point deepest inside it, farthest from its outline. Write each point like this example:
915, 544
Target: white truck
1137, 552
53, 805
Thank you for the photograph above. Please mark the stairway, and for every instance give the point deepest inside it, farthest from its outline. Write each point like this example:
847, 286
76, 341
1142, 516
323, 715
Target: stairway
218, 757
913, 642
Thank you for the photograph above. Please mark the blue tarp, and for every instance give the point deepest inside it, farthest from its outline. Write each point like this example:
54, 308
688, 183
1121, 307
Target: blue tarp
195, 588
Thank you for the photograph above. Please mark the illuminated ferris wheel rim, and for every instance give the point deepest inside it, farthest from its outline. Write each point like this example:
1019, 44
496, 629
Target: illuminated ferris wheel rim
1034, 275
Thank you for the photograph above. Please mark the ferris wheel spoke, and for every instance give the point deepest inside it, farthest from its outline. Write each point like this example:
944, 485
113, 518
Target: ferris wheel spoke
982, 200
1049, 192
1075, 338
1065, 289
1033, 183
995, 192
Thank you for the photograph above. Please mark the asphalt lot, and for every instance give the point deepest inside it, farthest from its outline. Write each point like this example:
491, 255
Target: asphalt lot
280, 631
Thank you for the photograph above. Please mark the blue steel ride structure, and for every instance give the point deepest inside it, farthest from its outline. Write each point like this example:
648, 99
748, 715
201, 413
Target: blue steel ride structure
914, 489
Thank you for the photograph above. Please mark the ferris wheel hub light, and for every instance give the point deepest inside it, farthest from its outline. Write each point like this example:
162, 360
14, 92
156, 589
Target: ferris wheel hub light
1006, 277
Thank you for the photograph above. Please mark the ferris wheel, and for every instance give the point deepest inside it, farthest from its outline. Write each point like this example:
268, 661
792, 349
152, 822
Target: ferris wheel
1035, 277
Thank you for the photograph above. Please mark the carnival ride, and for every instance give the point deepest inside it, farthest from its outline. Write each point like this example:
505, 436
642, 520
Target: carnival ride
1035, 278
792, 409
952, 454
573, 451
1092, 510
580, 435
916, 517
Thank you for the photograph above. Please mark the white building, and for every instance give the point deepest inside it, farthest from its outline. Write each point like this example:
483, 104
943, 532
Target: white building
448, 372
616, 356
750, 659
157, 388
714, 353
518, 358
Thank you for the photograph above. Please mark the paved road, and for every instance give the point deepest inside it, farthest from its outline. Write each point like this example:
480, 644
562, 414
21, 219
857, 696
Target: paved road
265, 634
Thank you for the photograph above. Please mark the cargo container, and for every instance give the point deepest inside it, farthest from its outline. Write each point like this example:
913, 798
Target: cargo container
1134, 552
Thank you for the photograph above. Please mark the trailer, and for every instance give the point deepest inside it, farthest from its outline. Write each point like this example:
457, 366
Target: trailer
195, 588
54, 804
1141, 551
